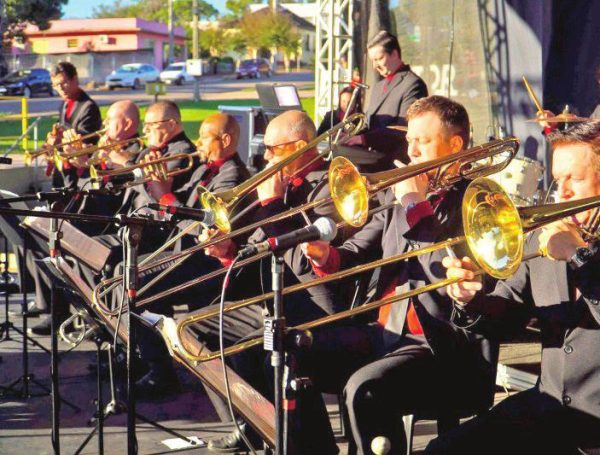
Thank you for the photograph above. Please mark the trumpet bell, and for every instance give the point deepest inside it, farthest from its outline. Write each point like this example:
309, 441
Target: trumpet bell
493, 228
348, 191
218, 207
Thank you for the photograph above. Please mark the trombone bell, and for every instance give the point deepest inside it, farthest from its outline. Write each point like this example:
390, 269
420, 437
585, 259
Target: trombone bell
493, 228
210, 202
348, 191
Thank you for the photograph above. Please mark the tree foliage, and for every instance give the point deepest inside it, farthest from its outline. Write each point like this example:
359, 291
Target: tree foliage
156, 10
21, 12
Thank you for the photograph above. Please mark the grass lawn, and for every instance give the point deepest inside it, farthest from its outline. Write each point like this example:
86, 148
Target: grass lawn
192, 114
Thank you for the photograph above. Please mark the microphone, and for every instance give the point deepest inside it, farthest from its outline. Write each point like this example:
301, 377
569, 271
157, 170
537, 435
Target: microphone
322, 229
206, 217
5, 160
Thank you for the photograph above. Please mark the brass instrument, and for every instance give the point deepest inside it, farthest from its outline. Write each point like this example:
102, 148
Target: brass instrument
351, 191
142, 170
350, 194
495, 233
96, 148
54, 150
223, 202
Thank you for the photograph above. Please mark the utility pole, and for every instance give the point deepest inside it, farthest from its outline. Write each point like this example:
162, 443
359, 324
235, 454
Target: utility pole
195, 46
171, 33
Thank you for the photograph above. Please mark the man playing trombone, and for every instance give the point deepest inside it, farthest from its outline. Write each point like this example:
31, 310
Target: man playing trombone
301, 181
412, 359
561, 414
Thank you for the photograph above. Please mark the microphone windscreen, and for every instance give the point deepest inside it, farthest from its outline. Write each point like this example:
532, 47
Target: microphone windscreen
209, 218
327, 228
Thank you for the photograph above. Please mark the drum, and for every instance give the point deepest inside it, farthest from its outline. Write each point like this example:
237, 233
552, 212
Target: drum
520, 179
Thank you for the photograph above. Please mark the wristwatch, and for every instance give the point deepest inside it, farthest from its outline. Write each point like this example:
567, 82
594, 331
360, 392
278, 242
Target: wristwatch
582, 256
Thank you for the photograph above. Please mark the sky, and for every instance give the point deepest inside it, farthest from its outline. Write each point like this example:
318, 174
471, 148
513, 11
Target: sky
82, 9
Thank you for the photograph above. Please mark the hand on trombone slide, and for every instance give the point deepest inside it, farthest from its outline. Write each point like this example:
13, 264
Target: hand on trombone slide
412, 190
560, 240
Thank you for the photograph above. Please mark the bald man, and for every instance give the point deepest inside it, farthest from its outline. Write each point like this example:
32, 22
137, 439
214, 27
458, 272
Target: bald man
301, 181
221, 169
121, 122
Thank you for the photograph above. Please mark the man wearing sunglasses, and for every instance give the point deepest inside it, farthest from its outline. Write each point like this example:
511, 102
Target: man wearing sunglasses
302, 180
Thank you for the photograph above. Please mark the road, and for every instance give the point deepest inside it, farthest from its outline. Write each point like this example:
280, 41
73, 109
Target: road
211, 88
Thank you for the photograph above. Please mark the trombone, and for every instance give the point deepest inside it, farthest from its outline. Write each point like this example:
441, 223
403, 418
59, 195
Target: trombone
54, 150
351, 191
350, 195
221, 204
495, 232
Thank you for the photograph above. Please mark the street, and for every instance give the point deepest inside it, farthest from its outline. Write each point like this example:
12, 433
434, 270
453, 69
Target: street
211, 88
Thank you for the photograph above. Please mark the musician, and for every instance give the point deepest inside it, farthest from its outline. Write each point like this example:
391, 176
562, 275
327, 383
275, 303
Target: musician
78, 113
389, 100
222, 169
334, 117
301, 181
561, 414
414, 359
122, 122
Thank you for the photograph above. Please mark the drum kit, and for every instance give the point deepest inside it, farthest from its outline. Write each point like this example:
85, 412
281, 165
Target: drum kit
521, 178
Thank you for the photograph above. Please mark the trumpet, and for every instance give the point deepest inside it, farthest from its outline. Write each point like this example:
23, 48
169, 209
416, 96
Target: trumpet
54, 150
350, 195
143, 170
495, 231
91, 150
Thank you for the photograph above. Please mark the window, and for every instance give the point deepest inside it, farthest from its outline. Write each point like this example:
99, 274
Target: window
72, 42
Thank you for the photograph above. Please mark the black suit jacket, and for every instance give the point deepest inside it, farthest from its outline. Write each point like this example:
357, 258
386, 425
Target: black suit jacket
570, 330
388, 106
388, 234
85, 118
305, 305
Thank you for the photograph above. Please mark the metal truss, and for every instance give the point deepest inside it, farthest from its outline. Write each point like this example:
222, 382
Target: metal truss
334, 46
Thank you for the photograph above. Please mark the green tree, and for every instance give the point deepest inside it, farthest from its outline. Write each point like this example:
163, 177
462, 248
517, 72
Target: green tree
156, 10
237, 8
16, 14
215, 41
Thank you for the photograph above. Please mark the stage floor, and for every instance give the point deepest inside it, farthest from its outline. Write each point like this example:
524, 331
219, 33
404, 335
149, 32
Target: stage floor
25, 424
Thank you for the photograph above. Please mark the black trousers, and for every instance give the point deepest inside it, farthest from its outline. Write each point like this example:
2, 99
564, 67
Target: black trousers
526, 423
407, 381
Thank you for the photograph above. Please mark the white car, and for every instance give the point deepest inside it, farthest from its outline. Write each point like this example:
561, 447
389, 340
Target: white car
133, 75
176, 74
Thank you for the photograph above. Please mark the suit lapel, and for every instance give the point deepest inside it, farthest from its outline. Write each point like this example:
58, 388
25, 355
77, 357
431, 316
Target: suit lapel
399, 77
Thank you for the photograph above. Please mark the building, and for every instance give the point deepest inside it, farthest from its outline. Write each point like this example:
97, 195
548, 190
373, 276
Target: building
97, 46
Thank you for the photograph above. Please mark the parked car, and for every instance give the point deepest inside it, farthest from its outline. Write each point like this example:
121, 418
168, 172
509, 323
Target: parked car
254, 68
26, 83
175, 73
132, 75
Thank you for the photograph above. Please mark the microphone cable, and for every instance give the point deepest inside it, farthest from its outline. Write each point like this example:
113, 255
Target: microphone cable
222, 354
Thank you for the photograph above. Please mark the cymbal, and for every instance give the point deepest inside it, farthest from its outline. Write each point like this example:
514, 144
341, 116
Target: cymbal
563, 118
